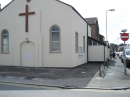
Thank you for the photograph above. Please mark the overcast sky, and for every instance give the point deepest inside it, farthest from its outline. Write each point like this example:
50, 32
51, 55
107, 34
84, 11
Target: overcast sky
116, 21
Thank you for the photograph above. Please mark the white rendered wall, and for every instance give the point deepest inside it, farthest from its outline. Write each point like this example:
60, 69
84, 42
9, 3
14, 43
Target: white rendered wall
89, 31
15, 24
96, 53
79, 26
47, 14
107, 53
58, 14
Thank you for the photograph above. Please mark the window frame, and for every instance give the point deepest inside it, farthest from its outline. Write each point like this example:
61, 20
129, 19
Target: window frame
2, 52
55, 41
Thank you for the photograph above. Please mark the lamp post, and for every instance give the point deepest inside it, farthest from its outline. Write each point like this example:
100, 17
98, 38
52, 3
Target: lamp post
124, 30
106, 34
117, 43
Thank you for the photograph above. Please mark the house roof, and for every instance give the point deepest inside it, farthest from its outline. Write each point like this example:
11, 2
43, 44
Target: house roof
60, 2
91, 20
101, 35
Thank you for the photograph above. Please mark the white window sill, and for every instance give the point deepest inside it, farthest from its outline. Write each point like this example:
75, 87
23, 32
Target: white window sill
55, 52
4, 53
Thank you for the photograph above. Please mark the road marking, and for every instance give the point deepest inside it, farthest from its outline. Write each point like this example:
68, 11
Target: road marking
96, 90
56, 88
33, 86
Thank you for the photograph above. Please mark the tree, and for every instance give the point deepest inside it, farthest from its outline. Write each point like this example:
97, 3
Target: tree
121, 44
114, 46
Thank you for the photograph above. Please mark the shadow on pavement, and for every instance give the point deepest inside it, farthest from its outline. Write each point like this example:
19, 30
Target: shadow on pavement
79, 76
112, 62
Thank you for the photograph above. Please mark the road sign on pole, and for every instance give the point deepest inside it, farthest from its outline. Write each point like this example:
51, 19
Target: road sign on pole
124, 36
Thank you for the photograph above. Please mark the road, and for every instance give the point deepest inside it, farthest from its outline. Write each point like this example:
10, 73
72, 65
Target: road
19, 90
64, 93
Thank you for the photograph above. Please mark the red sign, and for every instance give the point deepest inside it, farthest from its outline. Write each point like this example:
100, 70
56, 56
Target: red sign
124, 36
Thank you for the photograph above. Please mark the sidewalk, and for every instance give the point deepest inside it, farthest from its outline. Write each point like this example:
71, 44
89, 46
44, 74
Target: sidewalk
75, 77
114, 77
84, 76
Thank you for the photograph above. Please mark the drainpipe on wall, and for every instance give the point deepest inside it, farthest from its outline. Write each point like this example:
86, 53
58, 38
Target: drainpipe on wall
87, 43
104, 53
104, 56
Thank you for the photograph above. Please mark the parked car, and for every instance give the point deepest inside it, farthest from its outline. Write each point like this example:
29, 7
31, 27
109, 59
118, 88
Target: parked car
126, 54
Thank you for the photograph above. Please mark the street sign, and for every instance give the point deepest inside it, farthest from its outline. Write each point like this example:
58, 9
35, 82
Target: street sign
124, 36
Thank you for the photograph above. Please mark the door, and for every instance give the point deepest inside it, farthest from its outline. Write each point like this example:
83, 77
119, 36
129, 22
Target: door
27, 54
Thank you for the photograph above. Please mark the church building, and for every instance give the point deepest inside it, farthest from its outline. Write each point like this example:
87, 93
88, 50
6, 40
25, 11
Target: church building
42, 33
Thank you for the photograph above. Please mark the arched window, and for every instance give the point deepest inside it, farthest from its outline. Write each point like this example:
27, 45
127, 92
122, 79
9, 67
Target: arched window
76, 42
5, 42
55, 39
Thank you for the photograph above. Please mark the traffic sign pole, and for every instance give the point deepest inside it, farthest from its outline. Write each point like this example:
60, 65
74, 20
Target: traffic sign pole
124, 60
124, 37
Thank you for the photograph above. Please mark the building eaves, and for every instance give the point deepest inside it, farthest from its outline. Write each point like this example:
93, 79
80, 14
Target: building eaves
91, 21
74, 10
97, 41
6, 5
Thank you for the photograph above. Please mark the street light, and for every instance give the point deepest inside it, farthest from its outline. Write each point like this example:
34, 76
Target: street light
106, 33
117, 43
124, 30
111, 10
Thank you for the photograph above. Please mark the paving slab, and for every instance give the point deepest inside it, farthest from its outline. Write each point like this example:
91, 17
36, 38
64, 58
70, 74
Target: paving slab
114, 76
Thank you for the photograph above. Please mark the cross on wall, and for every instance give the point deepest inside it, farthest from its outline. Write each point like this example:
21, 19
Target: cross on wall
26, 20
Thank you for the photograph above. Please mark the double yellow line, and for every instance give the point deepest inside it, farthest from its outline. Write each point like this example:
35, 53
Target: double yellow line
33, 86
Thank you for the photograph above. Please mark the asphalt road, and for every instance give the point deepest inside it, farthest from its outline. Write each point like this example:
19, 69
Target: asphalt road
11, 86
18, 90
65, 93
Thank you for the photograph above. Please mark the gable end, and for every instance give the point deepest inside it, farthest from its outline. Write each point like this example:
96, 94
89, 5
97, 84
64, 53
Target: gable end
74, 10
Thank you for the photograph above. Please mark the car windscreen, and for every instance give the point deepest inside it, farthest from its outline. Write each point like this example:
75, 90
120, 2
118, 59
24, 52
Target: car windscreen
128, 52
